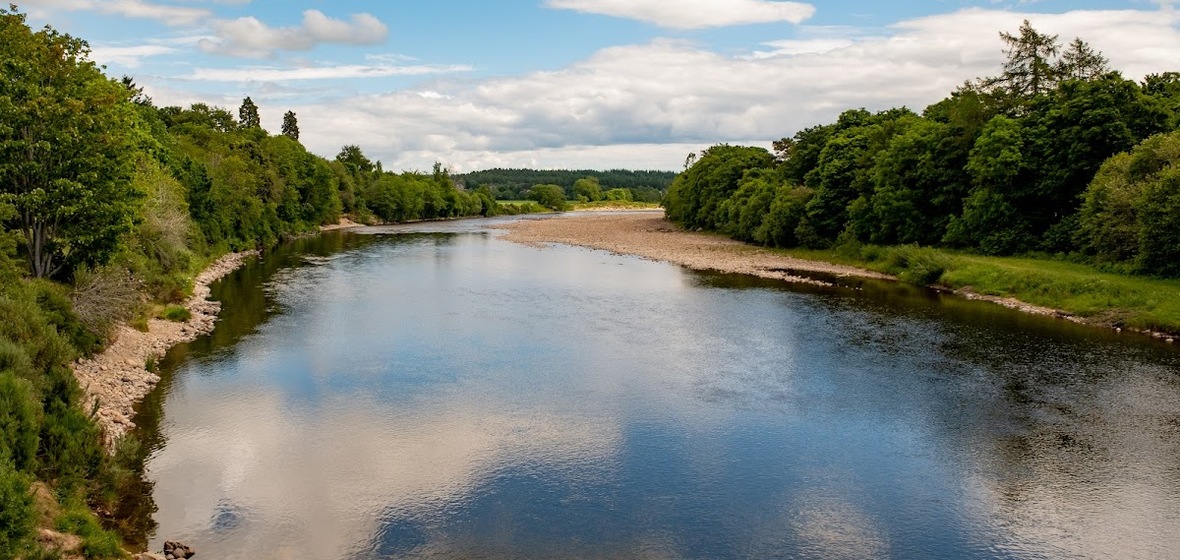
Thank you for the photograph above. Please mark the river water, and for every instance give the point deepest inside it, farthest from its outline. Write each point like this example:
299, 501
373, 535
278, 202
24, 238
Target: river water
436, 392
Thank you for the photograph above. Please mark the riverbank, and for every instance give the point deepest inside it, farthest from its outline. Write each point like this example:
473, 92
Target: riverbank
118, 378
647, 234
1064, 290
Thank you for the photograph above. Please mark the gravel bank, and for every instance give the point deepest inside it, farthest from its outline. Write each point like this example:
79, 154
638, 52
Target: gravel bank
647, 234
117, 379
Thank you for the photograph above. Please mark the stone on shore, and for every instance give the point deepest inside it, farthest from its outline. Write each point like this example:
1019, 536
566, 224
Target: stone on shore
178, 551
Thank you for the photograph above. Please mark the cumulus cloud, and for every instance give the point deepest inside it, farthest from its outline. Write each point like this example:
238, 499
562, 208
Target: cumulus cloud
648, 105
249, 38
139, 9
693, 14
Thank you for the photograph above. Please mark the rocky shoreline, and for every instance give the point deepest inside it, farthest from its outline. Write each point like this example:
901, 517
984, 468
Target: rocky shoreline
118, 378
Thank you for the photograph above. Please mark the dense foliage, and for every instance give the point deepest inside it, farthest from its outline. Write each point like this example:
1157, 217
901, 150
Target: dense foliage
1042, 158
515, 184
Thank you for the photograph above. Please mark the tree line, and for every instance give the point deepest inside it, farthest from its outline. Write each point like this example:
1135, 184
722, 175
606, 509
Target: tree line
516, 184
1057, 155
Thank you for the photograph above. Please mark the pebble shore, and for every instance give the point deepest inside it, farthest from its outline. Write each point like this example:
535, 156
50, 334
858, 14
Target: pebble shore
647, 234
118, 378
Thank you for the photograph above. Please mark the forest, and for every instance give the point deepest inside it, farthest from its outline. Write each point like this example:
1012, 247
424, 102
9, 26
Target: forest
1058, 156
515, 184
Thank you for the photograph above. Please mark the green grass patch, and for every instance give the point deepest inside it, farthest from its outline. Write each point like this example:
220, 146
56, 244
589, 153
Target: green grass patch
176, 313
1102, 298
96, 541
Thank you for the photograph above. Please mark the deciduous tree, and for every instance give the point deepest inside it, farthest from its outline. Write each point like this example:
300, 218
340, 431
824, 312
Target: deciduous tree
67, 143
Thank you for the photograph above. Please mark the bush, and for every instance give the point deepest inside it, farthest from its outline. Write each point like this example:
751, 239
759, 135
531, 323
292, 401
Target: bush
18, 517
176, 313
103, 297
916, 264
96, 542
71, 447
18, 422
26, 326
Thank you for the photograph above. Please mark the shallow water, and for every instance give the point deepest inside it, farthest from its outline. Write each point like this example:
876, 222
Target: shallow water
434, 391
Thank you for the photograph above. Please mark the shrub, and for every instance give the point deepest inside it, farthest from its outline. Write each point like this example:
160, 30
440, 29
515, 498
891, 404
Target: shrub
96, 542
18, 517
26, 326
71, 448
18, 422
176, 313
103, 297
916, 264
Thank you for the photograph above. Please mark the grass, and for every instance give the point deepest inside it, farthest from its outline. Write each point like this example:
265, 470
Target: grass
176, 313
1101, 298
615, 204
96, 541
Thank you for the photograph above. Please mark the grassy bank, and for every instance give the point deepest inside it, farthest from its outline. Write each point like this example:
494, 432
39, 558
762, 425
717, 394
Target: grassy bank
614, 205
1098, 297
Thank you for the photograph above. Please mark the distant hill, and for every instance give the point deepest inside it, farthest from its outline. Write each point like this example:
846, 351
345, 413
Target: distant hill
512, 184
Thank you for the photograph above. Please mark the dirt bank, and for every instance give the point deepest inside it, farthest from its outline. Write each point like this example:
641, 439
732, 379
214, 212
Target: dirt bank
344, 223
648, 234
118, 379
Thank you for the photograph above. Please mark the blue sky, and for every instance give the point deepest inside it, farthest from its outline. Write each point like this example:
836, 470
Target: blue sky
576, 83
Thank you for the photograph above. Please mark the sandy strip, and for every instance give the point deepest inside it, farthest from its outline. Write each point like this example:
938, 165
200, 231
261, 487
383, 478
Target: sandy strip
344, 223
647, 234
117, 379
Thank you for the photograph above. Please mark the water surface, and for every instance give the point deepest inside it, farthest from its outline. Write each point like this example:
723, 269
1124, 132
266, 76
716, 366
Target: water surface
434, 391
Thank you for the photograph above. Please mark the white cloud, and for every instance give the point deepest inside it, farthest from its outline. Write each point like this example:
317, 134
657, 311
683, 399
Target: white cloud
693, 14
649, 105
270, 74
139, 9
129, 57
250, 38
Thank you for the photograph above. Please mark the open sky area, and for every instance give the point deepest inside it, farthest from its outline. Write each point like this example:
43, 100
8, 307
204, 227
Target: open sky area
476, 84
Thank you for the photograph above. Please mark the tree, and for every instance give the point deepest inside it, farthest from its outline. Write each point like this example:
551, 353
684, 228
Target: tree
1030, 69
354, 160
1081, 62
989, 220
697, 193
1131, 211
248, 114
588, 187
290, 126
549, 196
137, 95
66, 148
619, 195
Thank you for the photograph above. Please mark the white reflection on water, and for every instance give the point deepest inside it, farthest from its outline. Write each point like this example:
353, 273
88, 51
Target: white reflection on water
1096, 477
467, 397
250, 453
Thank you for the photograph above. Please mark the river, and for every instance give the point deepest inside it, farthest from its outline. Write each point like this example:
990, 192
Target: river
435, 391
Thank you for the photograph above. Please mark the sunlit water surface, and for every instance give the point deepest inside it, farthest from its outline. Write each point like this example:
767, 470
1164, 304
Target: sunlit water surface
435, 391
